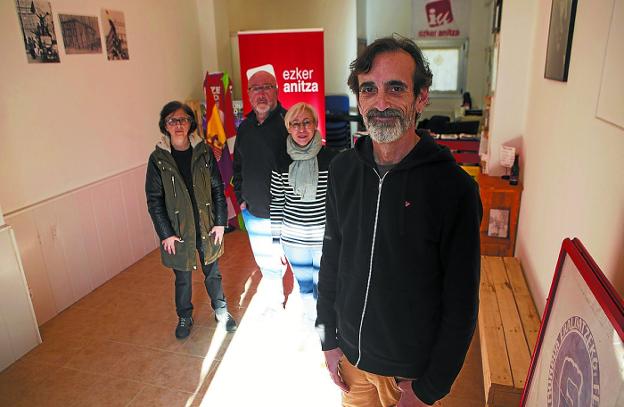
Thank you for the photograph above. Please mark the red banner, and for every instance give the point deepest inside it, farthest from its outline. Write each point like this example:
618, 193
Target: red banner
220, 130
298, 61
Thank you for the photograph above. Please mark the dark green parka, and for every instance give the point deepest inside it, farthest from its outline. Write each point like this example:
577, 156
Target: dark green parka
171, 208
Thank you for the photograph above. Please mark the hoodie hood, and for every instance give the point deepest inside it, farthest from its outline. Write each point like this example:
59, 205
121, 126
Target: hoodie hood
425, 152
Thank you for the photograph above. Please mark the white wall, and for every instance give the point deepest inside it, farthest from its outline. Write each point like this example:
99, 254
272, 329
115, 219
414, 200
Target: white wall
75, 139
480, 33
361, 12
386, 17
338, 19
87, 118
206, 25
517, 52
223, 35
571, 161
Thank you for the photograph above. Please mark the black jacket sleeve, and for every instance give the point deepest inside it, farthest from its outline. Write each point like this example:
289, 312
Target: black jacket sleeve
155, 194
460, 296
218, 197
237, 174
326, 320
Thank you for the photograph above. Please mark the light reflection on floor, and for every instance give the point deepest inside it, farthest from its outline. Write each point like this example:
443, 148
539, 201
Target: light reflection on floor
273, 361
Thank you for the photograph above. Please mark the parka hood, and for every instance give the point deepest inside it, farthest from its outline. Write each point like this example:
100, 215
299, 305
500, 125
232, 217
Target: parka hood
165, 141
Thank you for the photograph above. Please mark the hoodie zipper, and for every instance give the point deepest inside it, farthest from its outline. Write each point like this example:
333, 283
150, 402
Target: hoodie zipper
370, 267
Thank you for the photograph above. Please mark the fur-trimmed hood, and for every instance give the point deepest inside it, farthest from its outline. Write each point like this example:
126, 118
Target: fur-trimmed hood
165, 141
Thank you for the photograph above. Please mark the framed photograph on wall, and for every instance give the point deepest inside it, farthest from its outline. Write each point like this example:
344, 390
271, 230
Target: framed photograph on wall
37, 24
498, 223
579, 356
562, 15
81, 34
115, 38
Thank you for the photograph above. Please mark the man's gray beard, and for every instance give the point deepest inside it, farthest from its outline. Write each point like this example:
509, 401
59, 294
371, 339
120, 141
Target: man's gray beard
263, 109
384, 133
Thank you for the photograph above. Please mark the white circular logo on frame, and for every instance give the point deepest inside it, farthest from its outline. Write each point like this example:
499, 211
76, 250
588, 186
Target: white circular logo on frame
574, 373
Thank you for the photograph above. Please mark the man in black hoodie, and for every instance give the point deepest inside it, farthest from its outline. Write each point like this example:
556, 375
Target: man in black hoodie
399, 278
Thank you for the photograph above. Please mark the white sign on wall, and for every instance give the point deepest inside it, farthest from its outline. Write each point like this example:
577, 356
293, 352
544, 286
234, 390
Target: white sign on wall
440, 19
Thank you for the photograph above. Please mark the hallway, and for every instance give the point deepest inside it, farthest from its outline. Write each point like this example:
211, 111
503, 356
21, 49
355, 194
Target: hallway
115, 347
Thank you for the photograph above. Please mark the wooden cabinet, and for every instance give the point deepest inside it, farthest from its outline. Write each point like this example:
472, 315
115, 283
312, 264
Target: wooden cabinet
501, 206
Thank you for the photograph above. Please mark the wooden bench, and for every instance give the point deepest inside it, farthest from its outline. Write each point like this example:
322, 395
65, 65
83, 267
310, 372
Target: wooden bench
508, 328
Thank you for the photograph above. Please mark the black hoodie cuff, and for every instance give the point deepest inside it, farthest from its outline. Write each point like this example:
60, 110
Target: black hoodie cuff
425, 394
329, 340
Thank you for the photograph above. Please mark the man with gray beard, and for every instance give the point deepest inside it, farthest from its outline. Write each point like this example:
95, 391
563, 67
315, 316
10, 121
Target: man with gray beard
399, 279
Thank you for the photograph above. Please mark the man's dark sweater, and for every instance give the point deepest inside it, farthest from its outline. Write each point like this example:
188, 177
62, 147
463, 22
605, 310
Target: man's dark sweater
258, 148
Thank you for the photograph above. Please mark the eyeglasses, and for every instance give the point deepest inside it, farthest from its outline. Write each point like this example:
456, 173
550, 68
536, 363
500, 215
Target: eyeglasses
305, 124
261, 88
174, 121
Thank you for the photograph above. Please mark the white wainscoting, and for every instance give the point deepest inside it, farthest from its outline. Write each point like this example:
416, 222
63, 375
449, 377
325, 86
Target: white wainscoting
75, 242
18, 327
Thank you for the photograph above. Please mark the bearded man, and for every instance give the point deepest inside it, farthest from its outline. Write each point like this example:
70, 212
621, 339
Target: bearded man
399, 278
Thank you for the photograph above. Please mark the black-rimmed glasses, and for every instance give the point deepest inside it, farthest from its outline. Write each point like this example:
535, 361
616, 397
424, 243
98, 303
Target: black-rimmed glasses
261, 88
174, 121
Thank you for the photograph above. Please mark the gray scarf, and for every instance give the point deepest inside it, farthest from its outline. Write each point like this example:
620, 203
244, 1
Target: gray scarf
303, 171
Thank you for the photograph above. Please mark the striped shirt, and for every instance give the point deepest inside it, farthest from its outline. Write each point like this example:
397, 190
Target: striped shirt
297, 222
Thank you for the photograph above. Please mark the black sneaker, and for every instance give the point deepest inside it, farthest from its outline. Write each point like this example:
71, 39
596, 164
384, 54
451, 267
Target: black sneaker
184, 327
227, 319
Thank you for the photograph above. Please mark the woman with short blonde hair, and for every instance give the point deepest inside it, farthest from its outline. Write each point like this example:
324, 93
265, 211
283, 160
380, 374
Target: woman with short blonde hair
298, 190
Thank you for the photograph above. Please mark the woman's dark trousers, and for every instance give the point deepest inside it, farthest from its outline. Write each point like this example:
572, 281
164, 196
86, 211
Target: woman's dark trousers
184, 288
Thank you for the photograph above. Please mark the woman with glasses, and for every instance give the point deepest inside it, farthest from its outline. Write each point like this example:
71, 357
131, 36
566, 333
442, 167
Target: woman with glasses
186, 202
298, 190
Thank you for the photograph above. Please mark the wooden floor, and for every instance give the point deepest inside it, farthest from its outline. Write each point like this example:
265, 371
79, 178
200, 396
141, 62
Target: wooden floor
116, 347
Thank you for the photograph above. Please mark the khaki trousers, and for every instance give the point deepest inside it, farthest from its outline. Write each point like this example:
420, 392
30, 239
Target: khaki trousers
367, 389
